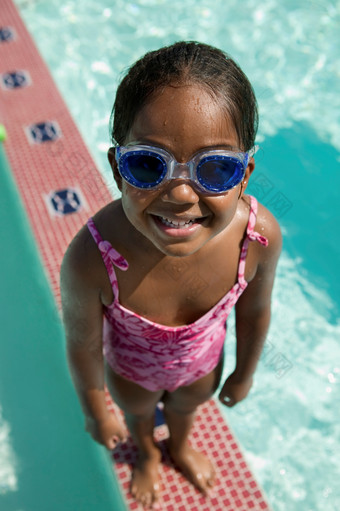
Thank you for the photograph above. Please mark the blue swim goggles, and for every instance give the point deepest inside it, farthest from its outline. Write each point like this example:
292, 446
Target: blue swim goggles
212, 171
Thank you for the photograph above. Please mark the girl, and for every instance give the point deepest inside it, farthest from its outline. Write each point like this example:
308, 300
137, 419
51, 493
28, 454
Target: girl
148, 283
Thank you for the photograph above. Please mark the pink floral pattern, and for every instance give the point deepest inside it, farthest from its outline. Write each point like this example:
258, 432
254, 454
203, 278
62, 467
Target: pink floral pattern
158, 356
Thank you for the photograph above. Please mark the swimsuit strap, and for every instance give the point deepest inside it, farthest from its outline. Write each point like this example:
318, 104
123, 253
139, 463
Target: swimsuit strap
252, 235
110, 257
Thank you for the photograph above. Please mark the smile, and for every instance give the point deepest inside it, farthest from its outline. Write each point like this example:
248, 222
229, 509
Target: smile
178, 227
178, 224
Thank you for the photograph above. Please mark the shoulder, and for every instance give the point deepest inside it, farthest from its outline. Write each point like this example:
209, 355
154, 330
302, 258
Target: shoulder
82, 281
263, 262
83, 270
267, 226
80, 261
82, 255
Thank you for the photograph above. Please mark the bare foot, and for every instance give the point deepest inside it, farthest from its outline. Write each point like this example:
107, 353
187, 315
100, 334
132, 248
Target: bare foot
195, 467
144, 484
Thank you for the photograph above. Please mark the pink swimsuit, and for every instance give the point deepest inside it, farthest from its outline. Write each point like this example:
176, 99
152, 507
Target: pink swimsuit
160, 357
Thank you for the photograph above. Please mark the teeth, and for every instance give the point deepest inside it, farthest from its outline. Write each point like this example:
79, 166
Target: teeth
176, 223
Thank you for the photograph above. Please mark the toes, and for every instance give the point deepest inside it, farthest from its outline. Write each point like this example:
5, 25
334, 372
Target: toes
143, 498
133, 490
156, 505
155, 497
199, 482
148, 499
204, 482
211, 479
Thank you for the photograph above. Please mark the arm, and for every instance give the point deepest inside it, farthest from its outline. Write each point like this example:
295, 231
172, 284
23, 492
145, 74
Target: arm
253, 318
83, 318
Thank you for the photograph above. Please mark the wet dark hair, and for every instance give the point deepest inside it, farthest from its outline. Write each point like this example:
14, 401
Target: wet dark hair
187, 63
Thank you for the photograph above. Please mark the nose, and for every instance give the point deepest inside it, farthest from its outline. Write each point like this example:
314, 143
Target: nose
180, 191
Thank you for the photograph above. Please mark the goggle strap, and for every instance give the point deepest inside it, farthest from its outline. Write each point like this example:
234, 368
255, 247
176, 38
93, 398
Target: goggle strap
253, 150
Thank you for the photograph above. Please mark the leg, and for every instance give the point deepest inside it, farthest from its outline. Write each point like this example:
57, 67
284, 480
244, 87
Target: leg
138, 405
179, 412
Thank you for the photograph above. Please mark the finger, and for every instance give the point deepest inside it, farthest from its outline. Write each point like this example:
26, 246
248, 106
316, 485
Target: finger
133, 490
123, 436
112, 442
228, 401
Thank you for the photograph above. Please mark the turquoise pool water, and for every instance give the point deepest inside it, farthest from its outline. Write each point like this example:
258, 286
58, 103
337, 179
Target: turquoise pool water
289, 425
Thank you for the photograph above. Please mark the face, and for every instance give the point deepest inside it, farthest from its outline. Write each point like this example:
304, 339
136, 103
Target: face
177, 219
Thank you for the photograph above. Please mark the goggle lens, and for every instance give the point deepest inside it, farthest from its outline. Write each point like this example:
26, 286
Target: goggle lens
218, 173
139, 169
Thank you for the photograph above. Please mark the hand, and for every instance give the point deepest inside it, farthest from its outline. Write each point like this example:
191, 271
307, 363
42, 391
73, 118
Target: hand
108, 432
234, 390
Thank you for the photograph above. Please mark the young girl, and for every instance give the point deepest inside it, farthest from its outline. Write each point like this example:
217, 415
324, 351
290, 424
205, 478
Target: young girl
151, 279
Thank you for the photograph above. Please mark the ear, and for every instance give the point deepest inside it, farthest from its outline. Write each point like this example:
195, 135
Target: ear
113, 163
249, 170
